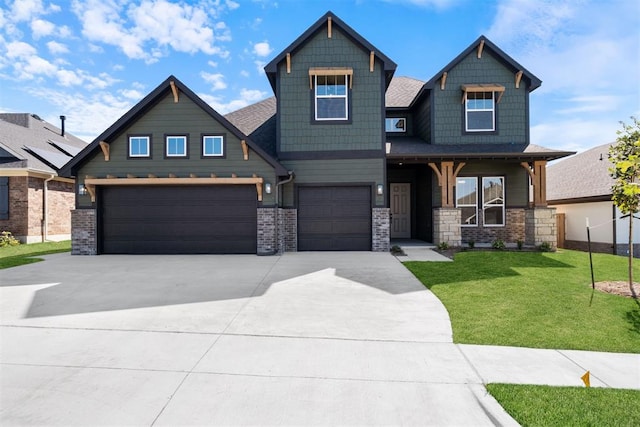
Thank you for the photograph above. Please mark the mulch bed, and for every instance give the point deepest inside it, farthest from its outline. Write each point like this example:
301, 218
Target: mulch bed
619, 288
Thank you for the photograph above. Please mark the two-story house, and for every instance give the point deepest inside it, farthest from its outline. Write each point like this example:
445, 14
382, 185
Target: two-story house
344, 157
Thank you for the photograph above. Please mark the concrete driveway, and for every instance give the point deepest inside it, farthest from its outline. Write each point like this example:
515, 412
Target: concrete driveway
299, 339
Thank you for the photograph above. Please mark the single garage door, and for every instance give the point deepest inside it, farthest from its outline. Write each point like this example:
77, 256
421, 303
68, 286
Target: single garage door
216, 219
334, 218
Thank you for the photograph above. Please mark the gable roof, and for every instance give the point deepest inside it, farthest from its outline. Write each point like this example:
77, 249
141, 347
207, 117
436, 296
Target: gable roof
532, 81
271, 68
30, 143
259, 122
145, 105
402, 91
585, 175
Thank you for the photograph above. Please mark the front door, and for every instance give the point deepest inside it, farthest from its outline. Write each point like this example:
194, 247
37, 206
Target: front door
400, 211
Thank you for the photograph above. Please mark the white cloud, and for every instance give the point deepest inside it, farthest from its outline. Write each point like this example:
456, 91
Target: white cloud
215, 80
260, 65
132, 94
41, 28
57, 48
244, 73
212, 64
262, 49
574, 135
24, 10
232, 5
437, 4
67, 77
20, 50
590, 104
247, 96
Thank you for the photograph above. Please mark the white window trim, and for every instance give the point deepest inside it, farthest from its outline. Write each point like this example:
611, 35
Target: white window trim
148, 139
345, 97
475, 110
475, 205
393, 128
484, 205
166, 145
204, 147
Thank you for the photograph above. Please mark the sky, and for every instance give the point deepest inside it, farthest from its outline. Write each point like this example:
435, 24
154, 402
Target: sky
93, 60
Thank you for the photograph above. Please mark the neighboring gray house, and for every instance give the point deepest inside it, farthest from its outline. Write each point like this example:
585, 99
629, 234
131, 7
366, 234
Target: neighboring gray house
579, 187
35, 202
345, 156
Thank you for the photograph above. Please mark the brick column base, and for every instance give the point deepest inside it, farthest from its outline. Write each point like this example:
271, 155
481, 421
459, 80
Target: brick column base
446, 226
287, 230
380, 223
267, 244
83, 232
540, 227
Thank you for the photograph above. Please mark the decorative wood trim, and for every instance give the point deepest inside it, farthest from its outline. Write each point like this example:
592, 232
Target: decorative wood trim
172, 175
288, 63
174, 89
151, 176
458, 168
447, 175
480, 48
91, 189
129, 176
112, 177
443, 80
193, 175
245, 149
437, 172
329, 27
518, 78
259, 191
538, 174
372, 61
105, 150
233, 175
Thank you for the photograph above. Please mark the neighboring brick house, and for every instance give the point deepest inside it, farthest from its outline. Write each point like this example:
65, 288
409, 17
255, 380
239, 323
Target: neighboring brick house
35, 202
579, 187
344, 157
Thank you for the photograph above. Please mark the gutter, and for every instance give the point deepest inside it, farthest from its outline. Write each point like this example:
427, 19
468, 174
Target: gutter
277, 195
45, 208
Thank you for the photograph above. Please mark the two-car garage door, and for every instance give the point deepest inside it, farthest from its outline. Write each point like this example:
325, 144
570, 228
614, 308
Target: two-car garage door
178, 219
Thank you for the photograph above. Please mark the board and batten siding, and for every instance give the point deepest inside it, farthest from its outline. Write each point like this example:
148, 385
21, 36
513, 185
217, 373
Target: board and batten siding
184, 117
448, 125
296, 98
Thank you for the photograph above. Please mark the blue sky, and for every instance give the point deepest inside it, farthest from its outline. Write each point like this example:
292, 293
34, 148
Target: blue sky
93, 60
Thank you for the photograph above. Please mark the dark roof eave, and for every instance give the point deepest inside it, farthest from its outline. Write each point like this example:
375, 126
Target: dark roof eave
585, 199
480, 156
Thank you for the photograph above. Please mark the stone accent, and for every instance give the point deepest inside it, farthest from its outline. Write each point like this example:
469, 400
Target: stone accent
287, 230
513, 230
540, 227
446, 226
267, 231
83, 232
380, 225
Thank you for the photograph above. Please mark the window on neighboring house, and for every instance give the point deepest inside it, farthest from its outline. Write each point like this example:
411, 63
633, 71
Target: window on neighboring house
139, 146
176, 146
394, 124
4, 197
493, 201
331, 97
467, 200
212, 145
480, 111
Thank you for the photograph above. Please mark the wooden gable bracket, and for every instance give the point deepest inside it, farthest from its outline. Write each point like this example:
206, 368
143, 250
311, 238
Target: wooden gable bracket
538, 174
447, 175
245, 149
518, 78
105, 150
480, 48
443, 80
372, 61
174, 89
329, 27
288, 63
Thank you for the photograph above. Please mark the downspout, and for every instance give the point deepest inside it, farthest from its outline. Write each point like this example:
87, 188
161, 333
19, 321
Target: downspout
45, 209
286, 181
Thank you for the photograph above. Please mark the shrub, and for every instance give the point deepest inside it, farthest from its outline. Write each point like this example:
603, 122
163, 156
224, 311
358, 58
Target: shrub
443, 246
471, 243
7, 239
520, 244
545, 247
498, 244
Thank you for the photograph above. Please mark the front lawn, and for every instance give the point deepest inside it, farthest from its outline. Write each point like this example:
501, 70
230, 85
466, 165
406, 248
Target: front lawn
13, 256
535, 405
532, 299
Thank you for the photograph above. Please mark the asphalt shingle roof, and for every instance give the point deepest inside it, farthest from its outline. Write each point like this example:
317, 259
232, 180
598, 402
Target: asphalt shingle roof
402, 91
580, 176
28, 139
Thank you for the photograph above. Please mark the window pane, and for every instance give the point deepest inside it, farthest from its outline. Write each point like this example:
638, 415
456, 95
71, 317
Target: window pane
466, 190
469, 215
480, 120
493, 216
395, 125
332, 108
138, 146
213, 146
493, 191
176, 146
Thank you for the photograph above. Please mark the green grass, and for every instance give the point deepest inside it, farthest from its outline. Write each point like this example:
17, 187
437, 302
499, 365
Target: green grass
13, 256
533, 405
532, 299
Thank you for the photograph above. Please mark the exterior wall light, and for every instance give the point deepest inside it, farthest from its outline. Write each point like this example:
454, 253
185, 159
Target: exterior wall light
82, 190
267, 187
380, 190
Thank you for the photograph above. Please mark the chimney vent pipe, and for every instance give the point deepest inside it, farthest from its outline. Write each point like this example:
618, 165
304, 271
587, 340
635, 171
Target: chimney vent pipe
62, 119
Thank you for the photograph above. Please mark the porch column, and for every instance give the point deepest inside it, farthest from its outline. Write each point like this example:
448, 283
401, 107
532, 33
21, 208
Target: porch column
447, 172
540, 220
446, 219
538, 173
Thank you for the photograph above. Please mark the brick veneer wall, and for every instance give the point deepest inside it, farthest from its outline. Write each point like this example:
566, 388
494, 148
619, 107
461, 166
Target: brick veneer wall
18, 222
61, 200
380, 224
540, 227
287, 230
446, 226
267, 243
83, 232
513, 230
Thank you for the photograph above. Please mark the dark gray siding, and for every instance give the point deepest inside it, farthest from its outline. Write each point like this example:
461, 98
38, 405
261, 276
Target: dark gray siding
448, 124
185, 117
297, 133
423, 119
516, 179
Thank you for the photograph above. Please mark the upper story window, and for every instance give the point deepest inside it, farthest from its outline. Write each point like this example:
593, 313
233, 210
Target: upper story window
212, 146
139, 146
395, 124
176, 146
480, 106
331, 97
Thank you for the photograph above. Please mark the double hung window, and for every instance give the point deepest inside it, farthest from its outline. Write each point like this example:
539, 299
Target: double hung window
467, 200
493, 201
331, 97
490, 199
480, 112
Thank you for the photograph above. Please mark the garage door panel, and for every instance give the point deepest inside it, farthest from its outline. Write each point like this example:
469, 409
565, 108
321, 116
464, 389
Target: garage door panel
334, 218
185, 219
